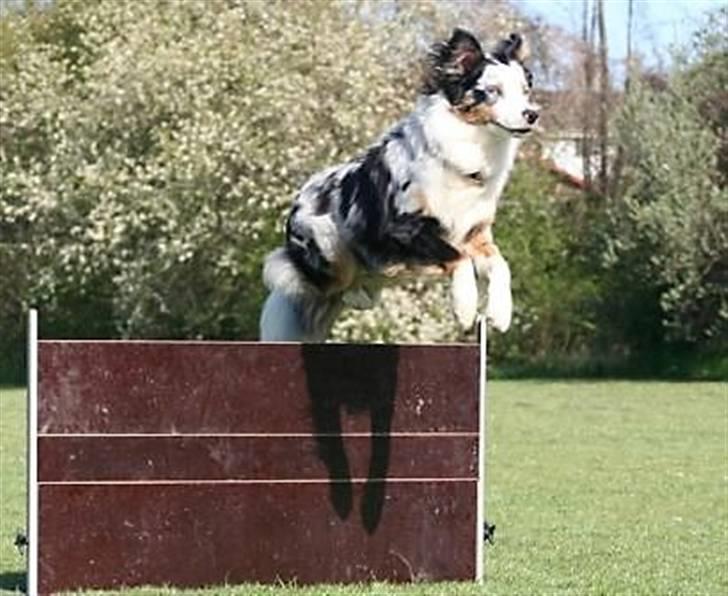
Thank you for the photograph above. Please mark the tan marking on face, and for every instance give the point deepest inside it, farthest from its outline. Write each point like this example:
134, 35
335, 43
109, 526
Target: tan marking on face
480, 113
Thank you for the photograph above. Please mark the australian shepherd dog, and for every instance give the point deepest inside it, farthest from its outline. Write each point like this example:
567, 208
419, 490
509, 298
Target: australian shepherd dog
420, 201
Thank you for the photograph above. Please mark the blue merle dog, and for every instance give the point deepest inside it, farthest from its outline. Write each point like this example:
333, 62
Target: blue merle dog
420, 201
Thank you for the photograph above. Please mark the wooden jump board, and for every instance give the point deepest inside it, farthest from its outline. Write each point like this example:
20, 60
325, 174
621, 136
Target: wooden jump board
201, 463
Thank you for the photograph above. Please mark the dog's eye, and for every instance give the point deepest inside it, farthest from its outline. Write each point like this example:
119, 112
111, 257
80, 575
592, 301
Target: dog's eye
490, 94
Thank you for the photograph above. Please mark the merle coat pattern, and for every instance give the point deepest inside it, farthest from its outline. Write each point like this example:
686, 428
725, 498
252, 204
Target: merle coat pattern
420, 201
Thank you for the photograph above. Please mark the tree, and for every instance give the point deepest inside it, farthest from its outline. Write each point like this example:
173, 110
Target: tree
604, 93
668, 242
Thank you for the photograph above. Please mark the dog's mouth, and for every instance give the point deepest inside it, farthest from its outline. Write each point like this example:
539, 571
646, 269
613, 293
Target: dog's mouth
516, 132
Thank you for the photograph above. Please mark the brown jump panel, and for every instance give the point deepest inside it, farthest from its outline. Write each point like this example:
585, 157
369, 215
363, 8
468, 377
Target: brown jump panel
197, 463
79, 458
188, 387
196, 535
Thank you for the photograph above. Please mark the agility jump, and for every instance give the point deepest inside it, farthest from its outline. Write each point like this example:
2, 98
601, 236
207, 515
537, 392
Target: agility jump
203, 463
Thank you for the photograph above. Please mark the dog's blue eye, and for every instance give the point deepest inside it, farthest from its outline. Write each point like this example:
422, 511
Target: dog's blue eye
489, 95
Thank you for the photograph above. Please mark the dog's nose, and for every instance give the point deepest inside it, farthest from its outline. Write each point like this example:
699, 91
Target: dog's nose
530, 115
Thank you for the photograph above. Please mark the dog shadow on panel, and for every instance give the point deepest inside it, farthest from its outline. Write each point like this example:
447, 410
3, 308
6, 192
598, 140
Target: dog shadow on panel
359, 381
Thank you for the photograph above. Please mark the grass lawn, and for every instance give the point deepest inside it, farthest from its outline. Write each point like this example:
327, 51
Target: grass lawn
596, 488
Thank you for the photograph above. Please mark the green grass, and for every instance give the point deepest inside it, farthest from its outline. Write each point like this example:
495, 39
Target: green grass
12, 485
596, 488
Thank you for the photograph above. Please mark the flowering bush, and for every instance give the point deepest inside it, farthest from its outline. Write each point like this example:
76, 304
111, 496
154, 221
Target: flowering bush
147, 157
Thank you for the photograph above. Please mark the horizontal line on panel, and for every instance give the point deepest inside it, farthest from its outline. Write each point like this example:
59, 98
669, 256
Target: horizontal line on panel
248, 481
424, 434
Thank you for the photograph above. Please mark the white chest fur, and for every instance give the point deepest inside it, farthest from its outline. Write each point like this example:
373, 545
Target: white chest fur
464, 182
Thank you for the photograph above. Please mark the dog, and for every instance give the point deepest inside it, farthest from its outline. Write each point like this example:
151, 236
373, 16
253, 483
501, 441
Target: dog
421, 201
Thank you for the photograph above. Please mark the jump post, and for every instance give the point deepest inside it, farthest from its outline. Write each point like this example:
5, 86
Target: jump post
204, 463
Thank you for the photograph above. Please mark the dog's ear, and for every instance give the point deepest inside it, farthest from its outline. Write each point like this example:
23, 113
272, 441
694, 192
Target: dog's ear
513, 48
465, 53
454, 65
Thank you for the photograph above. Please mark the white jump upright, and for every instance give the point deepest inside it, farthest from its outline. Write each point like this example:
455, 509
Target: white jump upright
32, 455
482, 426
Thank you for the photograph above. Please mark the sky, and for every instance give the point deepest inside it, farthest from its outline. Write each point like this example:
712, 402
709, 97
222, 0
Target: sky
658, 24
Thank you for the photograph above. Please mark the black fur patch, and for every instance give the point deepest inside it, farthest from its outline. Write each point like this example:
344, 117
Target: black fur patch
417, 239
507, 49
397, 133
454, 66
381, 235
306, 255
325, 196
367, 187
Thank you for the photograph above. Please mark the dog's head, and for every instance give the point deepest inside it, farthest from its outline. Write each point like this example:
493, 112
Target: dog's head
484, 89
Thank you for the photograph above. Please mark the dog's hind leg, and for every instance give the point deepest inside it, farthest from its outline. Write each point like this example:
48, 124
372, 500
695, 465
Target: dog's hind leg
281, 319
299, 318
296, 309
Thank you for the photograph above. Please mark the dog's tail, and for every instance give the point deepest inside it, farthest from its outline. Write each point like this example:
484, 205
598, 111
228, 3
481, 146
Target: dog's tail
295, 310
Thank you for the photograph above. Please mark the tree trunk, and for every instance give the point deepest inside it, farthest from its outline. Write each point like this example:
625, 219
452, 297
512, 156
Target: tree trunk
603, 100
587, 146
615, 178
628, 66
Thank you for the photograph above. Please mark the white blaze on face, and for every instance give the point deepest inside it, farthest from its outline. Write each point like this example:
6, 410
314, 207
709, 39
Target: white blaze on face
506, 84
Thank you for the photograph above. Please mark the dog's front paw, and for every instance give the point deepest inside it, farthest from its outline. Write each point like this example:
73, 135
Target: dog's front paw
465, 293
500, 311
500, 302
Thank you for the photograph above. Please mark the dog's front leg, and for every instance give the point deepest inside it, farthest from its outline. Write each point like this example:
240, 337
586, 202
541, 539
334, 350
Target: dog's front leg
490, 264
464, 290
499, 310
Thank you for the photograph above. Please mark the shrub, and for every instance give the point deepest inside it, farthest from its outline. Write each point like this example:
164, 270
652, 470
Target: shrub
667, 246
147, 156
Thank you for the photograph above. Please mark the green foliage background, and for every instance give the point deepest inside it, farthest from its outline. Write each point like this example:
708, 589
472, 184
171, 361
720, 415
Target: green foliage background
147, 158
